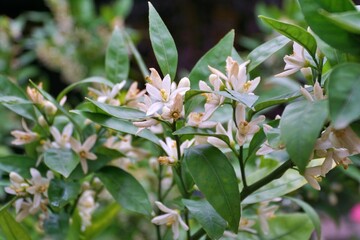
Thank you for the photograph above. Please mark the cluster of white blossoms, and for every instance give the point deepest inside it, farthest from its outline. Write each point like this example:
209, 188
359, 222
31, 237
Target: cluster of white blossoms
32, 193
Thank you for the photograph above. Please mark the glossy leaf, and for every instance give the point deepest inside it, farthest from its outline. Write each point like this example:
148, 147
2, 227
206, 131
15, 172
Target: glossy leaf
326, 30
62, 161
119, 111
295, 33
244, 98
300, 126
61, 192
313, 216
162, 43
118, 125
11, 228
344, 94
205, 214
117, 63
265, 50
187, 130
349, 21
216, 179
17, 163
125, 189
215, 58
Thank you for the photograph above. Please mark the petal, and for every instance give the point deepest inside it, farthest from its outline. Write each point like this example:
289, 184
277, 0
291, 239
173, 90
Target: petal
240, 114
36, 176
154, 108
75, 145
89, 143
184, 83
162, 219
217, 72
84, 165
203, 86
55, 133
153, 92
163, 208
68, 129
166, 84
175, 230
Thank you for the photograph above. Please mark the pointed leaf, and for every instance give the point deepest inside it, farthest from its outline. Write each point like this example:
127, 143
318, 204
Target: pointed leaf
125, 189
344, 94
162, 43
17, 163
244, 98
215, 58
117, 63
216, 178
349, 21
11, 228
300, 126
61, 160
61, 192
205, 214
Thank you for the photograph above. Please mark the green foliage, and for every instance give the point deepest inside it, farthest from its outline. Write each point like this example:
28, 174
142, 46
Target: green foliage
11, 228
62, 161
17, 163
62, 192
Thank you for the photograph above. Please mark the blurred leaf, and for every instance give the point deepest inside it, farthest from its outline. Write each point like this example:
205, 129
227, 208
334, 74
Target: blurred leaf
125, 189
326, 30
349, 21
205, 214
61, 192
215, 58
123, 7
300, 126
216, 178
119, 111
162, 43
118, 125
56, 225
61, 160
314, 217
82, 10
11, 228
344, 94
295, 33
117, 63
17, 163
187, 130
265, 50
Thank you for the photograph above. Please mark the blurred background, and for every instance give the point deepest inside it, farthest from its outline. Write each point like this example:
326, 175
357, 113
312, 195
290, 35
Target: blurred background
59, 42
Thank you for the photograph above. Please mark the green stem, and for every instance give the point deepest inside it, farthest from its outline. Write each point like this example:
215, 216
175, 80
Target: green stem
277, 173
168, 190
201, 232
242, 166
159, 193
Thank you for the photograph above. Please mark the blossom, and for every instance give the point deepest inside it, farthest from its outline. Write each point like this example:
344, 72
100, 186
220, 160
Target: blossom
133, 95
318, 93
86, 206
18, 185
312, 176
107, 95
200, 120
170, 148
34, 95
221, 130
245, 128
170, 218
294, 62
236, 78
266, 147
84, 150
213, 101
175, 111
265, 212
24, 137
22, 208
62, 140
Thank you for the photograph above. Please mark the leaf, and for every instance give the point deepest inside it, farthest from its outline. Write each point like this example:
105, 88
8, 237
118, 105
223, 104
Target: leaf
215, 58
344, 94
244, 98
162, 43
61, 160
125, 189
17, 163
312, 214
99, 80
11, 228
295, 33
82, 10
205, 214
216, 179
325, 29
187, 130
61, 192
265, 50
117, 63
300, 126
118, 125
54, 222
349, 21
119, 111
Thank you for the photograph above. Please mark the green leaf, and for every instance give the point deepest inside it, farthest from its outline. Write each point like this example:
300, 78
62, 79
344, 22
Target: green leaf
244, 98
117, 63
162, 43
187, 130
118, 125
349, 21
215, 58
312, 214
99, 80
11, 228
17, 163
54, 222
61, 192
295, 33
125, 189
325, 29
300, 126
205, 214
119, 111
61, 160
344, 94
216, 178
265, 50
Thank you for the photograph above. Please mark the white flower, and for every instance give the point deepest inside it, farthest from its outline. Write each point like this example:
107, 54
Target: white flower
106, 95
265, 212
22, 208
221, 130
170, 218
318, 93
18, 185
245, 128
22, 137
133, 95
313, 176
170, 148
84, 150
175, 111
266, 148
200, 120
294, 62
213, 101
86, 206
35, 95
62, 140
